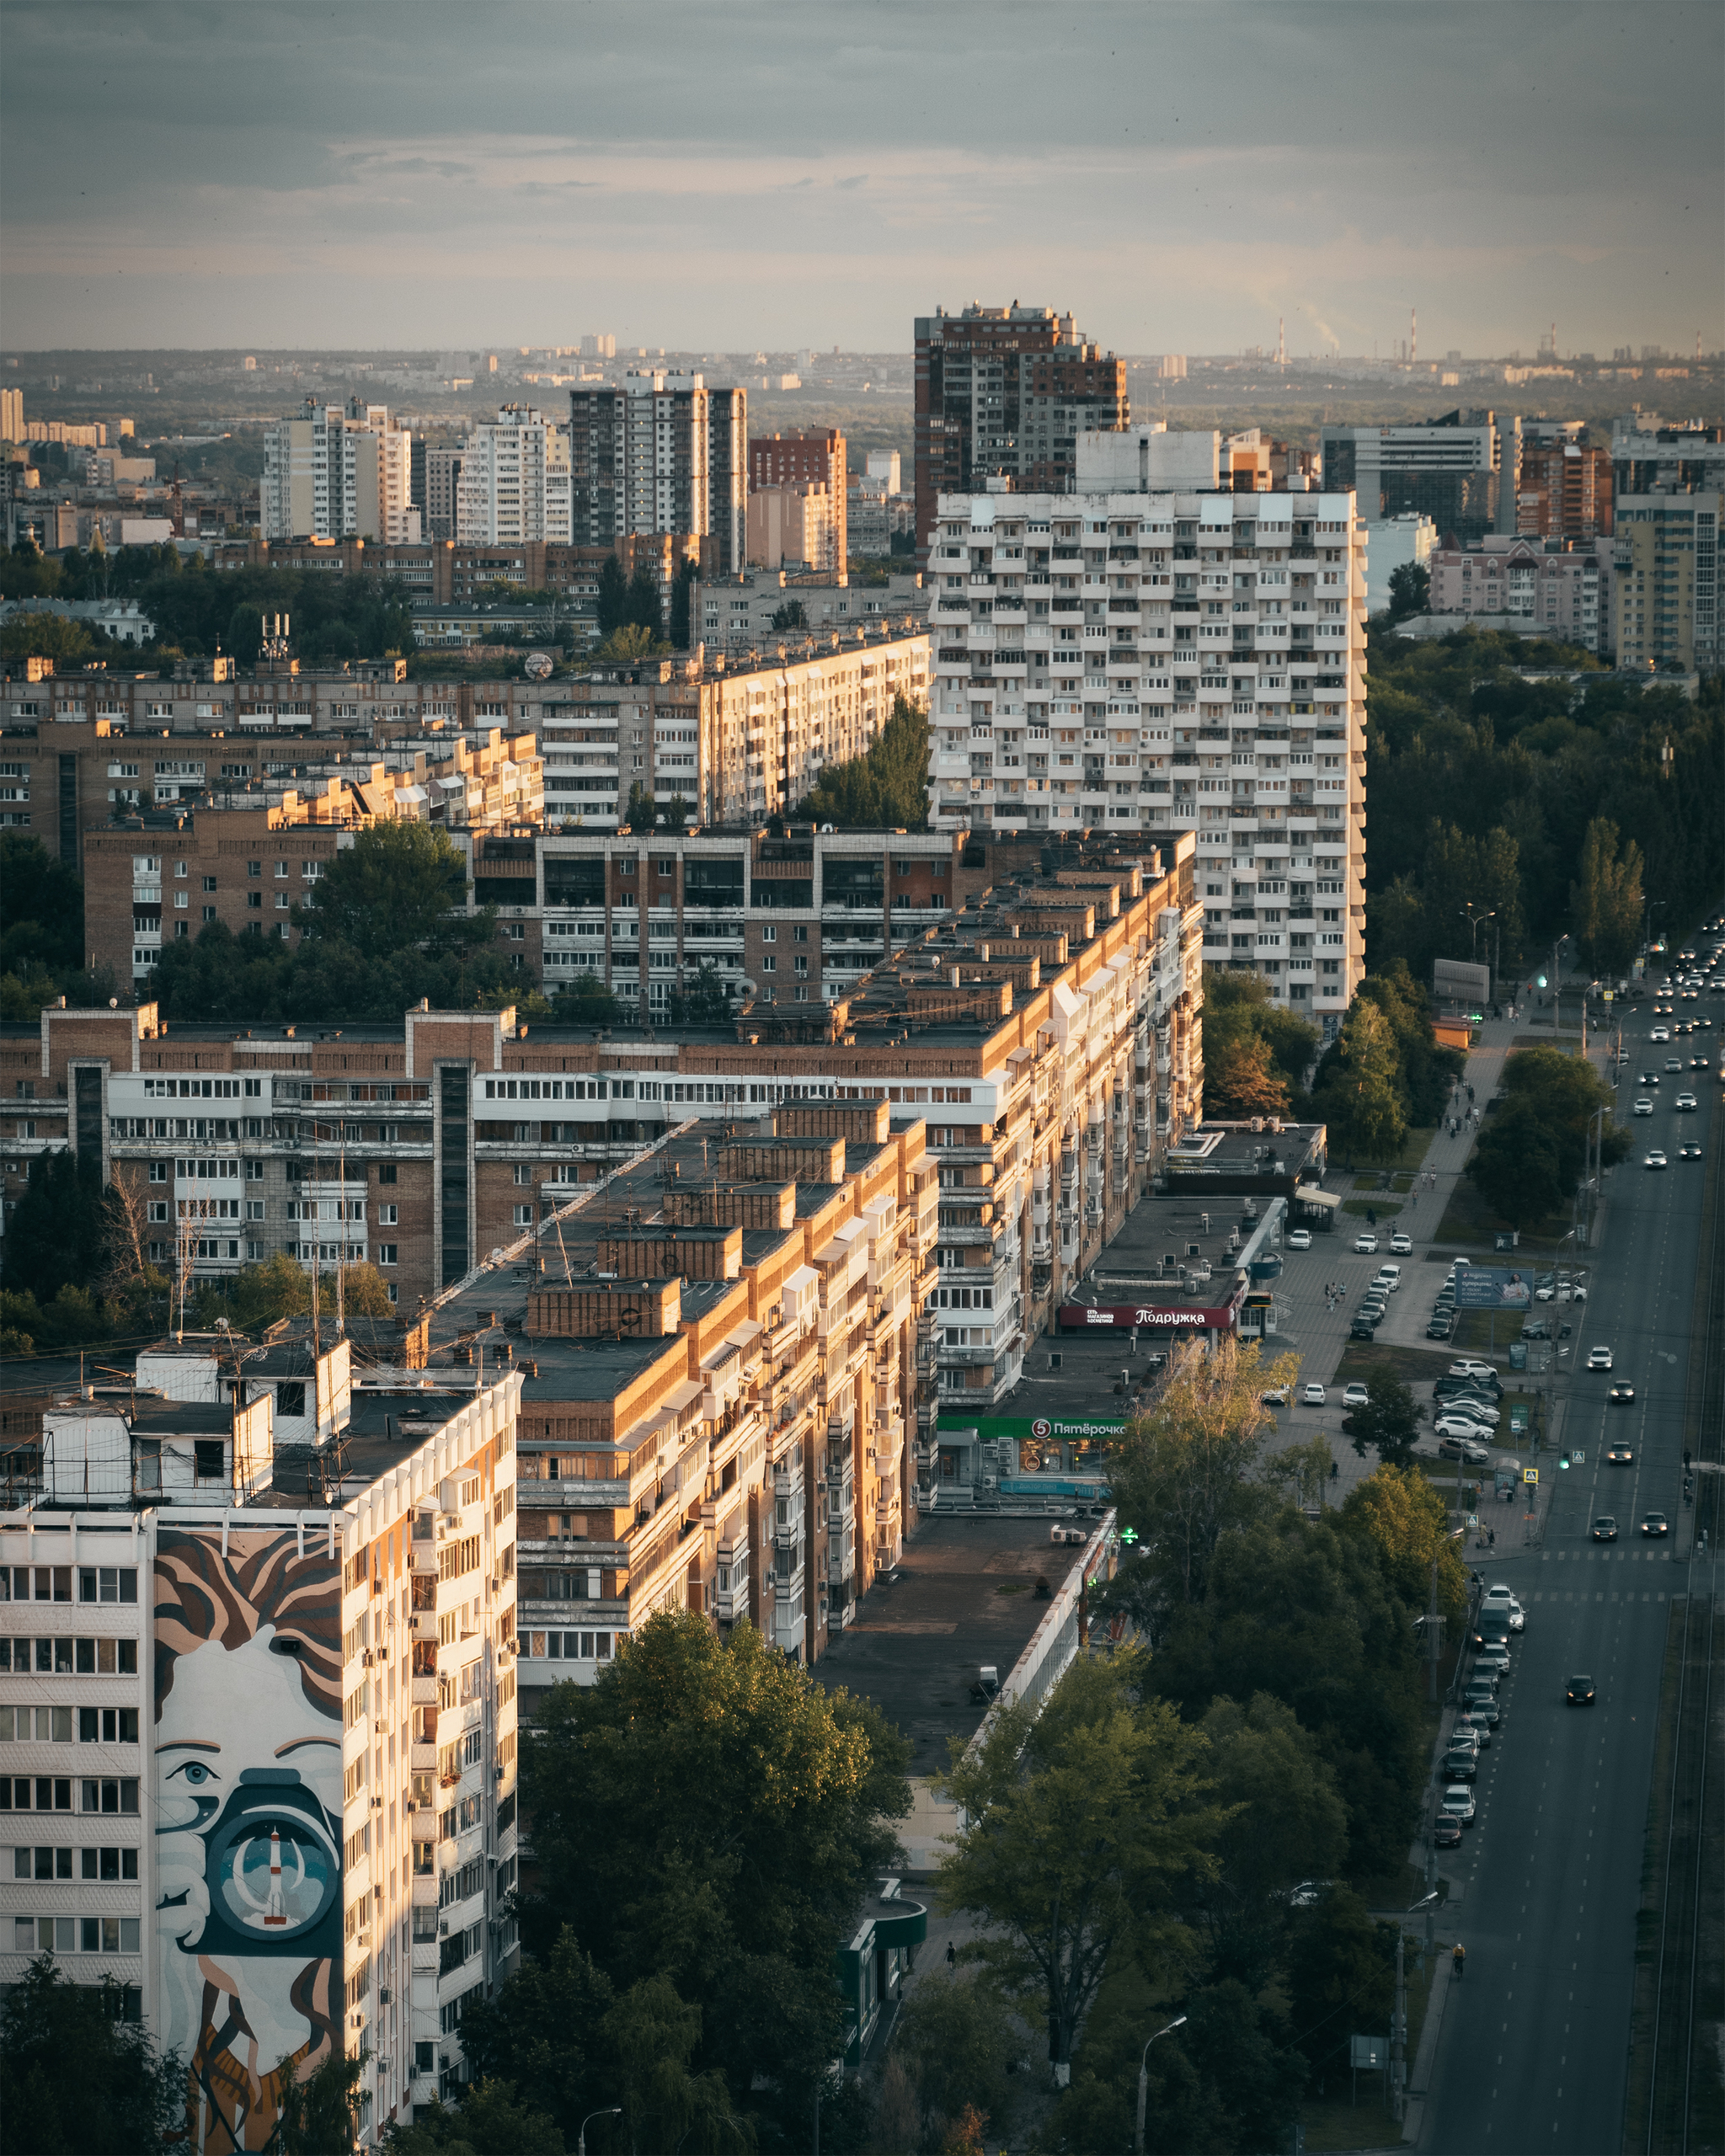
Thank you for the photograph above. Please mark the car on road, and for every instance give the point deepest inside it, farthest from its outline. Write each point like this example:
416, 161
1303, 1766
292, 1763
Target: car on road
1643, 1107
1355, 1395
1277, 1396
1446, 1832
1662, 1033
1400, 1245
1469, 1723
1579, 1692
1459, 1764
1367, 1245
1697, 1063
1438, 1328
1362, 1328
1389, 1278
1655, 1523
1510, 1614
1299, 1239
1688, 1152
1480, 1699
1620, 1396
1605, 1528
1458, 1802
1656, 1159
1472, 1368
1648, 1078
1312, 1395
1599, 1358
1493, 1656
1674, 1063
1685, 1104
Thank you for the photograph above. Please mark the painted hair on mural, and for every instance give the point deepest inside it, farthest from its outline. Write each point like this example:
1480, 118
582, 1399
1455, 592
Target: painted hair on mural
202, 1597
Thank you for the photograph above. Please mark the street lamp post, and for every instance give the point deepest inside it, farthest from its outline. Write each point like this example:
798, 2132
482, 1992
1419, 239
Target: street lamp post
611, 2111
1144, 2083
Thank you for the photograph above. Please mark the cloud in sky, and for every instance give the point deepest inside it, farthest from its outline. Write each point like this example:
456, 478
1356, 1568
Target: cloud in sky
699, 175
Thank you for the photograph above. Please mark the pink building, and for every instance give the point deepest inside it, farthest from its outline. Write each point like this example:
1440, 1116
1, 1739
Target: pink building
1517, 584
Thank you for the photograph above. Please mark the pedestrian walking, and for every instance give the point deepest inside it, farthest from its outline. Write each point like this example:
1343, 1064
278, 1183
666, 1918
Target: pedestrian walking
1492, 1538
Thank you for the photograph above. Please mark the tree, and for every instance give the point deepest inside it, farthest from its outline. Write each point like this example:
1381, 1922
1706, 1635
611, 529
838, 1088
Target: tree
1360, 1100
1389, 1423
886, 788
46, 636
1240, 1080
704, 1001
709, 1815
956, 2044
1183, 1474
1570, 1099
1516, 1166
613, 595
1605, 903
683, 625
632, 640
643, 604
490, 2120
639, 814
1282, 1821
320, 2114
56, 1236
541, 2032
398, 886
1410, 590
587, 1001
1077, 1823
75, 2079
41, 907
652, 2035
1403, 1516
1341, 1978
789, 615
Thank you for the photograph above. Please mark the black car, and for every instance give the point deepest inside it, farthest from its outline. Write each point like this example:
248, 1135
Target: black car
1492, 1384
1655, 1523
1439, 1329
1605, 1528
1459, 1766
1580, 1693
1362, 1329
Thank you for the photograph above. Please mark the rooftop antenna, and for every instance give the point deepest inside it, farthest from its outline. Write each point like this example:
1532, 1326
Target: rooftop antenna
1281, 341
1413, 336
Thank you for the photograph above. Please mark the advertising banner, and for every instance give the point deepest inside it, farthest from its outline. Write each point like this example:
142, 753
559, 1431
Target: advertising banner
1151, 1317
1454, 982
1493, 1288
1041, 1429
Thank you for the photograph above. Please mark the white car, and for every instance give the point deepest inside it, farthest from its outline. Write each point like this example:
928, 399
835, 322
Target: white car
1684, 1101
1656, 1159
1401, 1246
1464, 1426
1389, 1276
1299, 1239
1312, 1395
1471, 1370
1458, 1802
1367, 1245
1643, 1107
1475, 1409
1506, 1607
1356, 1395
1599, 1358
1660, 1033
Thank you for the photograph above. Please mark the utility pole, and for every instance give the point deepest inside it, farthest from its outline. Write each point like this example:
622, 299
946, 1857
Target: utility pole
1398, 2034
1431, 1615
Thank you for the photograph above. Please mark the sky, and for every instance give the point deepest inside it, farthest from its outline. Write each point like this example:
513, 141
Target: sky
724, 174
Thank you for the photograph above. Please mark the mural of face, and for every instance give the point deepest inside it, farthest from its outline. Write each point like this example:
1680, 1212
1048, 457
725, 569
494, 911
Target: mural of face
248, 1785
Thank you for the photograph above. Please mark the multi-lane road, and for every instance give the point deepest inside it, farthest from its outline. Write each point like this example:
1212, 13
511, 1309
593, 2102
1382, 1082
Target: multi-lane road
1533, 2048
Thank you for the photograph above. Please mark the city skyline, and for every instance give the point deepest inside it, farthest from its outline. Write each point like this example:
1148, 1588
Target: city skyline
1365, 163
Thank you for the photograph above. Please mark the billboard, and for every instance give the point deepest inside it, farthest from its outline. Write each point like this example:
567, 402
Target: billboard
247, 1789
1493, 1288
1154, 1317
1454, 981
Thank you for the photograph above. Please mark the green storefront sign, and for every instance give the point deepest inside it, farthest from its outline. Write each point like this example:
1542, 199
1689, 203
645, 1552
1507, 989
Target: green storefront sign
1034, 1429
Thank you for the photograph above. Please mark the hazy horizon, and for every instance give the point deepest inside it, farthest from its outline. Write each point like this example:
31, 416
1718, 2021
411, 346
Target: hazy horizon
191, 176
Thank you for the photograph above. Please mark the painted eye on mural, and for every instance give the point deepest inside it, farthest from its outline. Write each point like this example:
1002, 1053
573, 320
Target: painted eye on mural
193, 1771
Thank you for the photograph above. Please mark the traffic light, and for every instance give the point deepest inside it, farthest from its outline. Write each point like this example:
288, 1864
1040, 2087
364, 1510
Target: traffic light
1563, 1461
1539, 980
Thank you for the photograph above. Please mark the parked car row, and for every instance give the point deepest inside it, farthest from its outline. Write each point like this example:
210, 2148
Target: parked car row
1500, 1616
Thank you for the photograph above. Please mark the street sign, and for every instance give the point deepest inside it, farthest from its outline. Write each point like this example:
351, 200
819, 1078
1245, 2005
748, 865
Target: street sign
1368, 2053
1579, 1459
1530, 1474
1129, 1535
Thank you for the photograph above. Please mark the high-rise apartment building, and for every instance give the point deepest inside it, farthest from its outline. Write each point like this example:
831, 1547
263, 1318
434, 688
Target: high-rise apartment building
265, 1785
662, 453
443, 472
1461, 471
1004, 392
1565, 491
1520, 585
514, 481
11, 415
338, 473
777, 462
1670, 485
1142, 663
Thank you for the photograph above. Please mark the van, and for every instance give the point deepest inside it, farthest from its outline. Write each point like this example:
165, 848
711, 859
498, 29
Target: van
1390, 1274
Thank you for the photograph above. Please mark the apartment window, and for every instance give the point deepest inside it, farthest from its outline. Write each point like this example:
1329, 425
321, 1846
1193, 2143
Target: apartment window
106, 1584
386, 1171
524, 1171
49, 1863
280, 869
209, 882
179, 868
254, 898
388, 1215
119, 1795
387, 1253
524, 1216
209, 913
109, 1864
107, 1725
255, 868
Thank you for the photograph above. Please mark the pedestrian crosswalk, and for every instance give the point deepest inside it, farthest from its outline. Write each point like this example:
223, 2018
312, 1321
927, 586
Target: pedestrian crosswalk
1557, 1594
1663, 1555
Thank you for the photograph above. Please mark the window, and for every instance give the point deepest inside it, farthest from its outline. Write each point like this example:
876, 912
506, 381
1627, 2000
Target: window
109, 1864
254, 898
106, 1584
524, 1171
388, 1215
280, 906
181, 899
110, 1934
47, 1862
179, 868
209, 882
386, 1171
280, 868
386, 1254
291, 1398
107, 1725
524, 1216
115, 1795
255, 868
209, 913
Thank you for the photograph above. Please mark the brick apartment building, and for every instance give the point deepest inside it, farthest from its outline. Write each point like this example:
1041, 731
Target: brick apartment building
1004, 392
1566, 485
1056, 1014
778, 461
